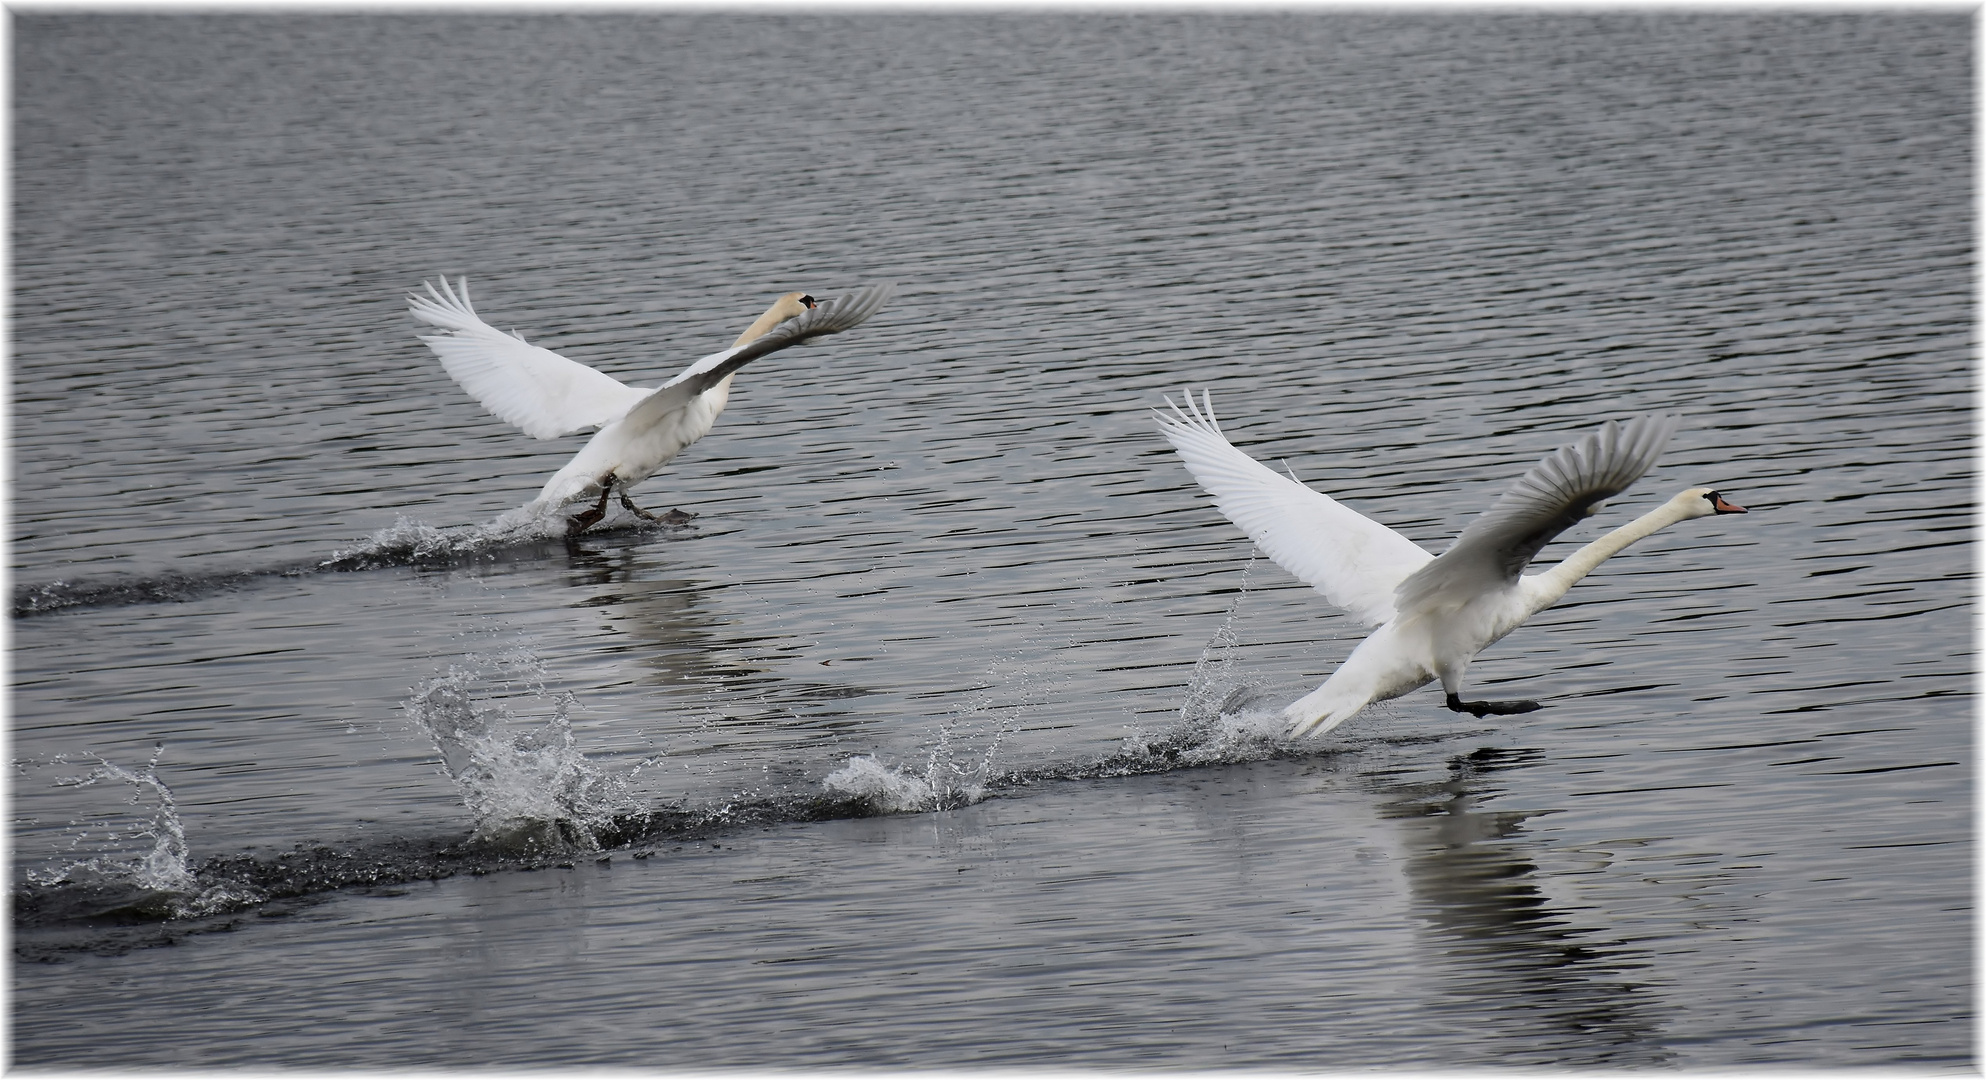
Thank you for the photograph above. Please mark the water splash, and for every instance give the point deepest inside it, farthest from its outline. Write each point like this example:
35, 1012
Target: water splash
160, 884
947, 781
884, 789
524, 781
960, 764
166, 867
1226, 716
407, 541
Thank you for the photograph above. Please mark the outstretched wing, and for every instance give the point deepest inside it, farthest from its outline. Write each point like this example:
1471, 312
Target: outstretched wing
1555, 495
1353, 560
542, 393
829, 317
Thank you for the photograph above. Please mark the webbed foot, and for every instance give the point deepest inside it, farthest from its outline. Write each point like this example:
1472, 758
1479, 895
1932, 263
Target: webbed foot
638, 511
1486, 708
673, 517
586, 519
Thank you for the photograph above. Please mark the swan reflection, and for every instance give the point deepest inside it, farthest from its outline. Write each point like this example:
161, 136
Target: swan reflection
1534, 983
671, 626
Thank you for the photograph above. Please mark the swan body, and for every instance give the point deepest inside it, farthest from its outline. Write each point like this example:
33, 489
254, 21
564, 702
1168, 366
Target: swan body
640, 429
1430, 615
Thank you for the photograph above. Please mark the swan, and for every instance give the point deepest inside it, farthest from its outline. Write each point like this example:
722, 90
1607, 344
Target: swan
546, 395
1430, 616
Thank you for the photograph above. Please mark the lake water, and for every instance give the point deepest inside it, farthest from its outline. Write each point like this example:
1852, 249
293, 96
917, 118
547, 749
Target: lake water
940, 736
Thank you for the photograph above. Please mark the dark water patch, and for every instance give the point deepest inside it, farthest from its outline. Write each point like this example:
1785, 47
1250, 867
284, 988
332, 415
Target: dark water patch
92, 914
405, 544
165, 588
92, 911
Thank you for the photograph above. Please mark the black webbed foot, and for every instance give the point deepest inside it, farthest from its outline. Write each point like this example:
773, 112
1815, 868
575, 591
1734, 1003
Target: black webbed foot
1486, 708
638, 511
673, 517
585, 520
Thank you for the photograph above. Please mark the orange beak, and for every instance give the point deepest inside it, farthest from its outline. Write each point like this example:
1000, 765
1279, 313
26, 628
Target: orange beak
1717, 503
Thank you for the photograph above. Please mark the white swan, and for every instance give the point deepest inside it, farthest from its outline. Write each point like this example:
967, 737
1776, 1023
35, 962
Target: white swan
546, 395
1431, 615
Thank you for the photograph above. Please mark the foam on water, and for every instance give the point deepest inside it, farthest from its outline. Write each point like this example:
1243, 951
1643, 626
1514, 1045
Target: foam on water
954, 773
407, 541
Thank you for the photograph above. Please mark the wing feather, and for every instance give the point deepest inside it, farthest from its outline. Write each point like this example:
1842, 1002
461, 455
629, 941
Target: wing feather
1556, 494
544, 394
1353, 560
830, 317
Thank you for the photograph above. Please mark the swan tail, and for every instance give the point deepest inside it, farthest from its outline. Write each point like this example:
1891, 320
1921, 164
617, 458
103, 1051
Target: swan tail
1380, 669
1321, 710
561, 489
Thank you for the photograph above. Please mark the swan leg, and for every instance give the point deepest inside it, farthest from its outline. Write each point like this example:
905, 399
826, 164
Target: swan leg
583, 521
638, 511
1485, 708
673, 517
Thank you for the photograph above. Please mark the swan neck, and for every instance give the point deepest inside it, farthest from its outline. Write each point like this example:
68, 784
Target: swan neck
774, 315
1552, 584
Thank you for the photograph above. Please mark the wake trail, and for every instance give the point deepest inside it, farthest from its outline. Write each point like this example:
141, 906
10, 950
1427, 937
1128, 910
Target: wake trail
537, 801
404, 543
580, 813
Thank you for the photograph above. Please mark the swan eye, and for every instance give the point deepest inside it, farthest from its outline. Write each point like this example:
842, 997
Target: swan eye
807, 301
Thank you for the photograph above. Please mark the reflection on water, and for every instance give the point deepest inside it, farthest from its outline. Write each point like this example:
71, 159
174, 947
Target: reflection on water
691, 653
1536, 986
664, 624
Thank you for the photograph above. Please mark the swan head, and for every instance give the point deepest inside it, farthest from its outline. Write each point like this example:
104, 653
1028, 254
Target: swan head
791, 305
1702, 502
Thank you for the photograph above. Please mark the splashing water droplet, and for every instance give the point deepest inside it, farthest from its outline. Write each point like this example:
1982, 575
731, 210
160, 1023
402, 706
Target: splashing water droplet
166, 867
886, 790
407, 541
954, 774
525, 783
1226, 716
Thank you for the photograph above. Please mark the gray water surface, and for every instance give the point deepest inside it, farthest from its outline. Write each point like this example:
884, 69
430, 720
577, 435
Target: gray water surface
274, 673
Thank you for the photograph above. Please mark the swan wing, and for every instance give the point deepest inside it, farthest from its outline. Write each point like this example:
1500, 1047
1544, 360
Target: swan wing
544, 394
1558, 492
829, 317
1353, 560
